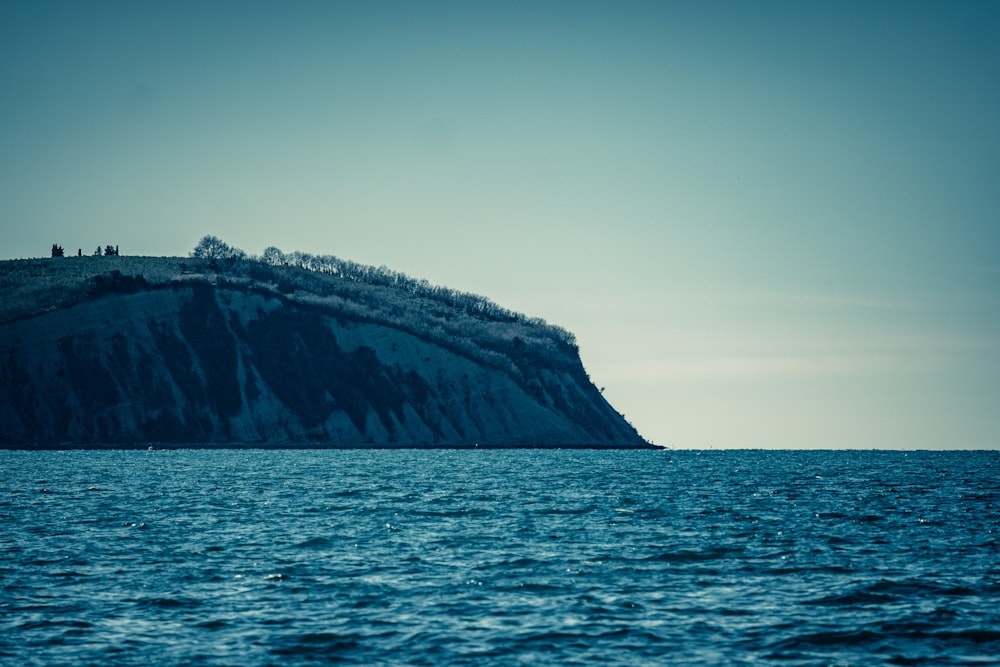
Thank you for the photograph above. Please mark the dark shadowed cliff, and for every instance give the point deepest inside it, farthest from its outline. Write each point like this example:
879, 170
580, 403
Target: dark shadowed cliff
127, 350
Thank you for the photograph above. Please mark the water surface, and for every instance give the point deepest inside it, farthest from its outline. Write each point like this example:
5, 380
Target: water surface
222, 557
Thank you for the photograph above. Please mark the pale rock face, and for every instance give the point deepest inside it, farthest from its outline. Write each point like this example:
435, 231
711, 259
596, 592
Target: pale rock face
197, 364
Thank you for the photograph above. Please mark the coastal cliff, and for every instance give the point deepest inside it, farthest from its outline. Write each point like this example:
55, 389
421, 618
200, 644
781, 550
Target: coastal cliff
127, 351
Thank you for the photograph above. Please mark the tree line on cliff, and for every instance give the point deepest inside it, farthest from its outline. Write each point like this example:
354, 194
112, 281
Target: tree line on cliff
220, 255
463, 322
108, 251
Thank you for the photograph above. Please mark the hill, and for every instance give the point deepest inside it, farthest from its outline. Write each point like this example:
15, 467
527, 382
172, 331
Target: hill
221, 349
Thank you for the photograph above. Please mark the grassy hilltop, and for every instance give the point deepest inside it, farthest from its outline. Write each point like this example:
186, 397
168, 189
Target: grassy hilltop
440, 314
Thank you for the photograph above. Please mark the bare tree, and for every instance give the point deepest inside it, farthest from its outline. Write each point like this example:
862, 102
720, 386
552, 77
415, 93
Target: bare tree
273, 256
211, 247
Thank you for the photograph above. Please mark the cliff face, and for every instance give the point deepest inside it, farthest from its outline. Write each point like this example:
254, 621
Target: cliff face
194, 362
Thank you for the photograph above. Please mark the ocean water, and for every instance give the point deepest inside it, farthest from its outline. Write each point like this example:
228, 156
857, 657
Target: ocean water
221, 557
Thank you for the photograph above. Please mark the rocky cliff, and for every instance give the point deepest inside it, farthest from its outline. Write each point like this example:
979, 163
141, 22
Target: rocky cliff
135, 351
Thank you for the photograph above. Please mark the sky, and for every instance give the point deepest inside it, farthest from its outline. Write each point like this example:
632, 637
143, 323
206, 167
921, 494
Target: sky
769, 224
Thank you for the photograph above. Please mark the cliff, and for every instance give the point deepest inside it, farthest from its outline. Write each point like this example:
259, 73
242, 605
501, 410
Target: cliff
125, 351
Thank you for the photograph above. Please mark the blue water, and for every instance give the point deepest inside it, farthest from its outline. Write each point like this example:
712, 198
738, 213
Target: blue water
499, 558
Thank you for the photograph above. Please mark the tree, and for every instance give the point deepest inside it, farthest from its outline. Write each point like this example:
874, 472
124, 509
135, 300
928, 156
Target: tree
211, 247
109, 250
97, 253
57, 250
273, 256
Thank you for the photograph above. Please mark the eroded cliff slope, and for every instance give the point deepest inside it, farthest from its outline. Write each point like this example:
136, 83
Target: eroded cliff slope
136, 352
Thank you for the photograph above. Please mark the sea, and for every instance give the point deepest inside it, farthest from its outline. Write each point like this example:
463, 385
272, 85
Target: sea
499, 557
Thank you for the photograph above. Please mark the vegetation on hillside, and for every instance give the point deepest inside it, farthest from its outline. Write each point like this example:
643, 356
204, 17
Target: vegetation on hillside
466, 323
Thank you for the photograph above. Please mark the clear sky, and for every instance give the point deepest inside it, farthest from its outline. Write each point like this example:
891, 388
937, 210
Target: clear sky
769, 224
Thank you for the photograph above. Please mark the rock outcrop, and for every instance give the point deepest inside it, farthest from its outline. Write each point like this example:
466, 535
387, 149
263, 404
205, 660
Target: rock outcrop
246, 357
